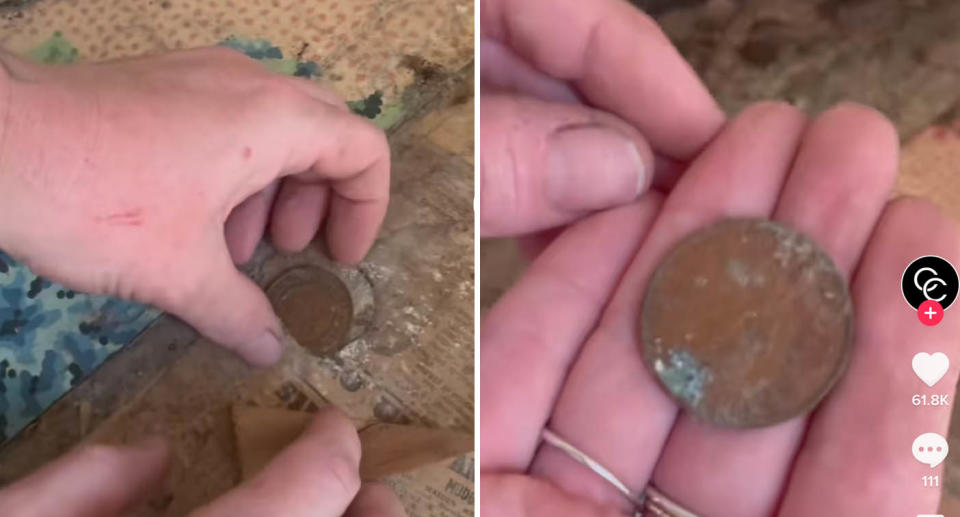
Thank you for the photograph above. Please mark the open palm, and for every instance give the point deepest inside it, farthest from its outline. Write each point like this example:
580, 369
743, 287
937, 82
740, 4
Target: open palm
561, 349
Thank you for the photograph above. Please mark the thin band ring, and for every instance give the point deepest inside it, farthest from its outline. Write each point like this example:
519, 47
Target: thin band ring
649, 502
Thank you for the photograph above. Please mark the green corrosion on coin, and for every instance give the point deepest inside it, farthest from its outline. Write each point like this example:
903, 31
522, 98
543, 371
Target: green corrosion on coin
683, 376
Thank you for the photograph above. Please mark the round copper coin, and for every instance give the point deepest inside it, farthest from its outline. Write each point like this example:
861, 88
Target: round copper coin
746, 323
315, 306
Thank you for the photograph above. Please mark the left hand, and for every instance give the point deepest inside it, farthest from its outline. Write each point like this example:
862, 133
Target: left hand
316, 476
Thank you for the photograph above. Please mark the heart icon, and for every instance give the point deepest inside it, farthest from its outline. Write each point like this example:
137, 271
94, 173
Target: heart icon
930, 367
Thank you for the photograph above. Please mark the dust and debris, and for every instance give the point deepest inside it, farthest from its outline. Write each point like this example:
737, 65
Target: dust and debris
352, 380
375, 272
415, 323
355, 354
792, 246
425, 71
348, 364
387, 411
740, 273
412, 329
684, 376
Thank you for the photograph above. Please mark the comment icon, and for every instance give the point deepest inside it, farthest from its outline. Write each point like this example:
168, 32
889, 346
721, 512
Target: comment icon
930, 449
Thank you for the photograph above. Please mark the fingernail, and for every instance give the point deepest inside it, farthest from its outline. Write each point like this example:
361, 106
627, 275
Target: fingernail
265, 350
593, 167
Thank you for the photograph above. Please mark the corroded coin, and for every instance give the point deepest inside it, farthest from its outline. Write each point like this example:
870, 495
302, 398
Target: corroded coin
746, 323
315, 306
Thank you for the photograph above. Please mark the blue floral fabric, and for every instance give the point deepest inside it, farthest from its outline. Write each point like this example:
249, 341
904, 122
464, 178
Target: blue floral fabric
51, 338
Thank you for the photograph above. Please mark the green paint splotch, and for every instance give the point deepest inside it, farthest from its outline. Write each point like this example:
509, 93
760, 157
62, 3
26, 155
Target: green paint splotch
372, 107
389, 116
55, 50
272, 57
369, 107
255, 48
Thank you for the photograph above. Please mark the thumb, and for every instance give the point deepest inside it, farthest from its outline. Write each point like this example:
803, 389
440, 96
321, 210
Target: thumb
93, 481
316, 476
544, 164
227, 307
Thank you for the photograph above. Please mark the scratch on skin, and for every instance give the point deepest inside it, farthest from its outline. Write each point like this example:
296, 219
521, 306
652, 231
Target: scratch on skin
132, 217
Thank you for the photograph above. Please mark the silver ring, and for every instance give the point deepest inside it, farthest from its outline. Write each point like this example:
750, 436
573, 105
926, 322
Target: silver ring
648, 502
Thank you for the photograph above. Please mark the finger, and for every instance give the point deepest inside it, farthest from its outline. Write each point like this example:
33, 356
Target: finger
841, 181
533, 245
526, 345
93, 481
316, 476
864, 431
738, 175
246, 325
838, 186
297, 214
375, 500
668, 173
618, 59
505, 72
546, 164
524, 496
246, 224
353, 155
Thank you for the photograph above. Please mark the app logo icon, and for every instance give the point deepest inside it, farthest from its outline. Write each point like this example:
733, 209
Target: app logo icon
930, 449
930, 278
931, 367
